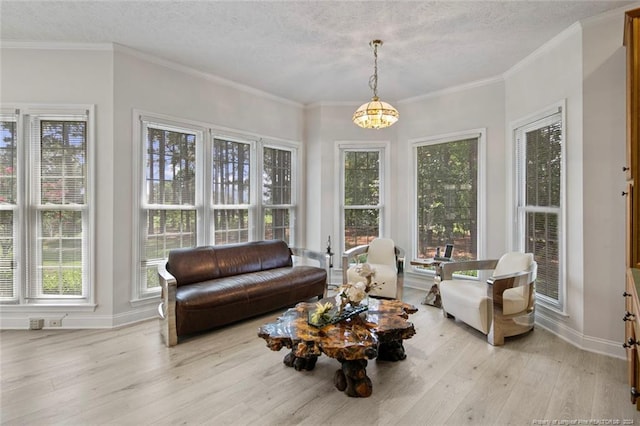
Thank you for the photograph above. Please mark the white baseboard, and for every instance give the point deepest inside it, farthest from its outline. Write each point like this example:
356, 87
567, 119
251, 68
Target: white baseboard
582, 341
76, 320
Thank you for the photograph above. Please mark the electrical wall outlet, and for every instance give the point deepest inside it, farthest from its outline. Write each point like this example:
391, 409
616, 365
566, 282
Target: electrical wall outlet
36, 323
55, 323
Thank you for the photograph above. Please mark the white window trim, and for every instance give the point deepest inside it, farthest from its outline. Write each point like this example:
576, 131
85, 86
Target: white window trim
385, 181
294, 184
512, 198
7, 114
253, 205
203, 155
141, 123
481, 135
22, 303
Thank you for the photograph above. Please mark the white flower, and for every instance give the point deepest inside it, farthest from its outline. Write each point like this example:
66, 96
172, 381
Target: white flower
365, 270
356, 293
360, 285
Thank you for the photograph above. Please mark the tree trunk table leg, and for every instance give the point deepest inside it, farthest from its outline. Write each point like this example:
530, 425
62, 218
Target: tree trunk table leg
290, 360
352, 379
391, 351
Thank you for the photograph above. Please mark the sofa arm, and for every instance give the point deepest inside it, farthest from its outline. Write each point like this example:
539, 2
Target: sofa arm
449, 268
320, 257
167, 307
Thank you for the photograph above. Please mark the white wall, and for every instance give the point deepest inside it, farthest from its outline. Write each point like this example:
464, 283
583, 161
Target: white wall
550, 75
147, 84
326, 125
66, 75
585, 65
604, 60
118, 80
465, 108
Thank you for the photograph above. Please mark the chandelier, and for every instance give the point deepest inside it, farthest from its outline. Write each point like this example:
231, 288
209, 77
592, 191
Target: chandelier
375, 114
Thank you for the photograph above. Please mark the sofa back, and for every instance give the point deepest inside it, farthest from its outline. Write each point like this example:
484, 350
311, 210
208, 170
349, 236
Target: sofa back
196, 264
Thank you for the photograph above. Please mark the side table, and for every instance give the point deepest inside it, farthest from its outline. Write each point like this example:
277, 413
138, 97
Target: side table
432, 297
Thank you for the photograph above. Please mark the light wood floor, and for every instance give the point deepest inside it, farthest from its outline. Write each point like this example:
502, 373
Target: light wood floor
451, 376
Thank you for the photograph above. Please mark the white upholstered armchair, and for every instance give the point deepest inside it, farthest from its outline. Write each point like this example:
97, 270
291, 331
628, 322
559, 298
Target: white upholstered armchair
388, 262
503, 306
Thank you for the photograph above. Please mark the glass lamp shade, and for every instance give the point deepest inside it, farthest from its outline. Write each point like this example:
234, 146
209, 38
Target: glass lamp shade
375, 115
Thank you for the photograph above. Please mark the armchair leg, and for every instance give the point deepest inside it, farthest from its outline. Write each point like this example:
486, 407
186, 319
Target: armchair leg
495, 336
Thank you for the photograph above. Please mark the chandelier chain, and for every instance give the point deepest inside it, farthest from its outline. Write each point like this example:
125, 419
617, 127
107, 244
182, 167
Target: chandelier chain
373, 80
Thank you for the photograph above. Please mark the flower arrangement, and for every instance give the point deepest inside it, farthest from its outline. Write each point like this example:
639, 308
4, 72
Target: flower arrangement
355, 293
350, 299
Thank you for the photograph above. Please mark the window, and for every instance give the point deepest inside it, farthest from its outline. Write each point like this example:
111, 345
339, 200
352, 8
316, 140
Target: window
52, 204
277, 178
169, 211
8, 207
201, 188
362, 211
231, 191
539, 176
446, 199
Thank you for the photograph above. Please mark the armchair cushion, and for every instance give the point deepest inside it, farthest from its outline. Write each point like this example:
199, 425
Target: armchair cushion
467, 300
513, 262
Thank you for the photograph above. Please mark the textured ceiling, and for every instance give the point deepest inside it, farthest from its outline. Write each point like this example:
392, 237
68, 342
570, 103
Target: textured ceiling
313, 51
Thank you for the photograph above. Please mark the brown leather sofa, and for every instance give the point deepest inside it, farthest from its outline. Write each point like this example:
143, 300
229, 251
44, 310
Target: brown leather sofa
211, 286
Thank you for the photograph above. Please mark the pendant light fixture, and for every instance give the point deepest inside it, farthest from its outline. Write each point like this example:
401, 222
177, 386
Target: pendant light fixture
375, 114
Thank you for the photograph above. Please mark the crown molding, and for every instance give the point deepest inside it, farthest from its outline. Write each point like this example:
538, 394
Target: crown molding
453, 89
115, 47
54, 45
615, 13
204, 75
575, 28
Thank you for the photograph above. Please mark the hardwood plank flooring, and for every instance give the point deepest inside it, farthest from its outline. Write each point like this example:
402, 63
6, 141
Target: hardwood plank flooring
451, 376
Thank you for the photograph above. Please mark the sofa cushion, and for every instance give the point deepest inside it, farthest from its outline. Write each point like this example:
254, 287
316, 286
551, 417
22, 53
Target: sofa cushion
196, 264
204, 305
192, 264
234, 259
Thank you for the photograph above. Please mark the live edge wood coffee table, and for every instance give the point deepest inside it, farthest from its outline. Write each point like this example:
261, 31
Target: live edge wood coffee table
376, 333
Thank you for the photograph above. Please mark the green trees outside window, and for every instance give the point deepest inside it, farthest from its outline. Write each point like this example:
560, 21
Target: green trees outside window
361, 197
447, 197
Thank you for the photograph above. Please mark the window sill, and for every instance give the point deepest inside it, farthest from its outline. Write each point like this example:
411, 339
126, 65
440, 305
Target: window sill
554, 310
145, 301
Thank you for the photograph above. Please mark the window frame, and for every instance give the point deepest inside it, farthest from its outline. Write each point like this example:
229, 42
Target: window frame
384, 149
518, 128
414, 144
142, 206
18, 262
26, 291
293, 204
205, 207
252, 206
